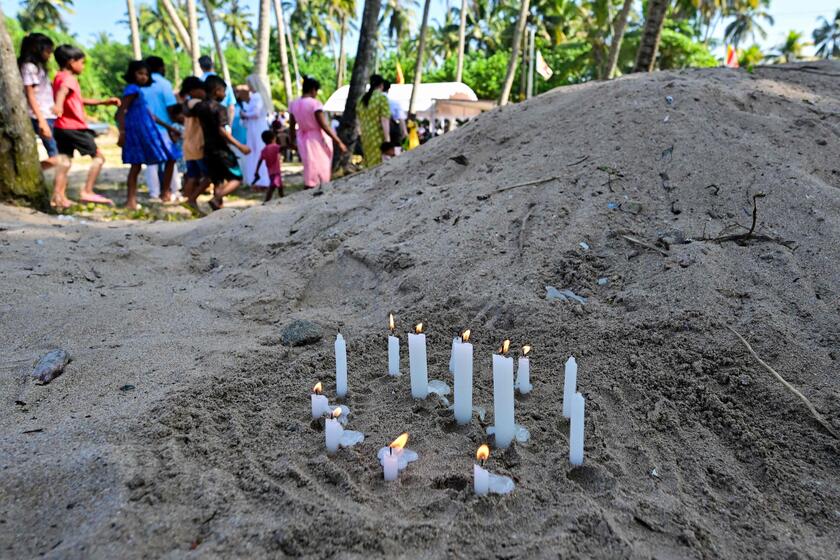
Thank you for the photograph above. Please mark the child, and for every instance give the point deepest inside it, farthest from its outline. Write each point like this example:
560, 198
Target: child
140, 139
71, 129
388, 150
35, 51
196, 182
271, 156
222, 167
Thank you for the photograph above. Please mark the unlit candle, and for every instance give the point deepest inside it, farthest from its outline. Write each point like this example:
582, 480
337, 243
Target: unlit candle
340, 366
576, 430
569, 386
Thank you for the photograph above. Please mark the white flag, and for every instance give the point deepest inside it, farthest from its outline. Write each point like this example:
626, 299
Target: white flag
543, 69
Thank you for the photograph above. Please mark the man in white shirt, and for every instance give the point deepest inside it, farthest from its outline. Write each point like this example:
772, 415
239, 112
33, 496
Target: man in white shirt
399, 132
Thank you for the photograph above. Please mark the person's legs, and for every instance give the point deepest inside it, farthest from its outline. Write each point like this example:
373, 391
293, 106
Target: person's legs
93, 173
221, 191
131, 198
62, 170
166, 180
152, 181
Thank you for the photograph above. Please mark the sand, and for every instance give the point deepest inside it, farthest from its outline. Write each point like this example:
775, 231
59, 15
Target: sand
181, 428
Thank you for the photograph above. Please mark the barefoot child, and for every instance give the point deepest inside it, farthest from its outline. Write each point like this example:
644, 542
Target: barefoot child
196, 181
71, 129
222, 167
271, 156
140, 139
35, 51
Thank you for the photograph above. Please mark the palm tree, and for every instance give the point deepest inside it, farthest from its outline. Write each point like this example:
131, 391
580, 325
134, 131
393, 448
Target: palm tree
176, 18
362, 66
827, 37
195, 47
237, 22
619, 24
20, 172
263, 40
445, 40
396, 18
791, 49
462, 39
421, 47
649, 44
135, 30
44, 14
284, 54
209, 7
310, 24
514, 55
746, 22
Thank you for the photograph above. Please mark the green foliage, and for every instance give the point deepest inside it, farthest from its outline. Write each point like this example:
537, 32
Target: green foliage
750, 58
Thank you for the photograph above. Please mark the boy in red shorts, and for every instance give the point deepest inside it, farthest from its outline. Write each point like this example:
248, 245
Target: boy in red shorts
71, 130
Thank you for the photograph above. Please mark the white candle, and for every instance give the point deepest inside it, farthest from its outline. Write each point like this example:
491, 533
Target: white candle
393, 349
340, 366
455, 341
481, 481
576, 430
333, 431
523, 372
417, 363
391, 465
320, 404
462, 354
569, 386
503, 398
393, 355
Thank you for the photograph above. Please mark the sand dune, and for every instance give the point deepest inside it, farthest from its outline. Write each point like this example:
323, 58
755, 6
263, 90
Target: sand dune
182, 424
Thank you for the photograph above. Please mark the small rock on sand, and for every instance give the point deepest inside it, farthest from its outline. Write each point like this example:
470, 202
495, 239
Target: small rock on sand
300, 333
51, 365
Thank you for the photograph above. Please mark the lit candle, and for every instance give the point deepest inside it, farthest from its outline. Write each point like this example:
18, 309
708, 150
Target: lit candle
578, 405
320, 404
503, 396
569, 386
455, 341
417, 363
462, 352
340, 366
333, 431
395, 457
393, 349
481, 478
523, 372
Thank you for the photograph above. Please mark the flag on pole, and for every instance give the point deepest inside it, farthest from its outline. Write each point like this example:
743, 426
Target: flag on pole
731, 57
400, 77
543, 69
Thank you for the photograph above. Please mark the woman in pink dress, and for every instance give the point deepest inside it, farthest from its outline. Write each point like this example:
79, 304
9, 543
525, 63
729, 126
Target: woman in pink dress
314, 137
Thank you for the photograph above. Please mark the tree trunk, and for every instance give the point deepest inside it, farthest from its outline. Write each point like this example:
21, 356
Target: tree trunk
293, 52
421, 48
619, 25
347, 129
195, 50
342, 52
655, 19
217, 43
135, 30
462, 34
284, 54
263, 44
180, 30
20, 171
514, 55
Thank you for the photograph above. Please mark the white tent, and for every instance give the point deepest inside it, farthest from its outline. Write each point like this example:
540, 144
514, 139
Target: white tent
425, 103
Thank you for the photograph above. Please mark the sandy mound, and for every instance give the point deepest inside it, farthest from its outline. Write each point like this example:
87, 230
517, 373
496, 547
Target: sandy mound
183, 423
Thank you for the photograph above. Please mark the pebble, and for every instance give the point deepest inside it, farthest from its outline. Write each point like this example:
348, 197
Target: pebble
300, 333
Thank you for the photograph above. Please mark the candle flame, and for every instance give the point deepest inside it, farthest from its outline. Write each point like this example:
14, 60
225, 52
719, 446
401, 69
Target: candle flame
525, 350
400, 442
505, 347
391, 321
336, 412
317, 388
419, 328
483, 453
465, 337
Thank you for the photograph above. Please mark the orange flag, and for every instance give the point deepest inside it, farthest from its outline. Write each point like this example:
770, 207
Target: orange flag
400, 77
731, 57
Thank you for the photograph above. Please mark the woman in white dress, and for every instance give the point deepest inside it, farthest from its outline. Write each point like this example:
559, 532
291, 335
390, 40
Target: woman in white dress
254, 116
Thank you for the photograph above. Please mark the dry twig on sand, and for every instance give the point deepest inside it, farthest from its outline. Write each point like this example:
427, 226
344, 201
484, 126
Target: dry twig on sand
645, 245
518, 186
750, 234
787, 385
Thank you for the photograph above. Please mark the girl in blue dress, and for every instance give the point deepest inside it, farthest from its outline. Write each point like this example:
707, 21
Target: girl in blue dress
140, 139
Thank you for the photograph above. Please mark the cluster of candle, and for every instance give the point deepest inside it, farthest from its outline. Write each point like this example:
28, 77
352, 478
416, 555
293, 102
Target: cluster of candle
395, 457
